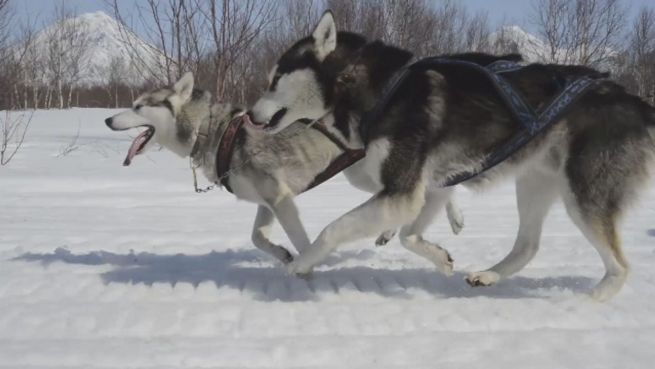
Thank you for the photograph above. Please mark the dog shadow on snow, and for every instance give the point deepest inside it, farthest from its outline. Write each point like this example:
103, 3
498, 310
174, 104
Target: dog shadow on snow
250, 271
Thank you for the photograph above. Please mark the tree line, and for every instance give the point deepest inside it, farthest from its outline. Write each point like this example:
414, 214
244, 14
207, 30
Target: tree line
231, 44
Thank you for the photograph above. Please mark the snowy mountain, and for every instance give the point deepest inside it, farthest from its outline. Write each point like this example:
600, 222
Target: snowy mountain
532, 47
100, 44
103, 49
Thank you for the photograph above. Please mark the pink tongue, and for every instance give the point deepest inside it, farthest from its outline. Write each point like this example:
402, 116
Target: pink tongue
136, 145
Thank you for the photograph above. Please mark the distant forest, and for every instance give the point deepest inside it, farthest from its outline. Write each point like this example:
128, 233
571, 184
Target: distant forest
231, 44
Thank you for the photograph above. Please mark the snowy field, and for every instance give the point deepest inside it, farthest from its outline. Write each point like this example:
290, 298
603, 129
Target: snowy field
103, 266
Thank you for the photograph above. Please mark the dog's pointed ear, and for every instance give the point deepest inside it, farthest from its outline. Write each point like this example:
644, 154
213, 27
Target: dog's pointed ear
325, 36
184, 87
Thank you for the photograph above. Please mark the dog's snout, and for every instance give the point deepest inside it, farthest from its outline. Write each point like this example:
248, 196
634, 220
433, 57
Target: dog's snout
251, 118
109, 122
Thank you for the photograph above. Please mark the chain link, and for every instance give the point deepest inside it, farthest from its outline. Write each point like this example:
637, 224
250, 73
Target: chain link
195, 180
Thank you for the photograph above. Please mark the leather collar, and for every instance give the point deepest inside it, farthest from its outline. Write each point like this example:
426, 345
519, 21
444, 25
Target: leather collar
226, 150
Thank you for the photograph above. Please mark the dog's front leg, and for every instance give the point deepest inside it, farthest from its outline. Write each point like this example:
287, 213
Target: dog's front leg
535, 194
261, 232
287, 214
380, 213
455, 216
411, 235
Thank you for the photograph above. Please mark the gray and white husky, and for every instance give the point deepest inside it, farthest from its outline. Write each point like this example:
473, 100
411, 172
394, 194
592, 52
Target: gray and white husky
445, 121
267, 170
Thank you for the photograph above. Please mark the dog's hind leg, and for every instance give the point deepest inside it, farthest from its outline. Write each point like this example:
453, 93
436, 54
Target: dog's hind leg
411, 236
535, 193
602, 233
455, 219
600, 229
261, 232
380, 213
604, 171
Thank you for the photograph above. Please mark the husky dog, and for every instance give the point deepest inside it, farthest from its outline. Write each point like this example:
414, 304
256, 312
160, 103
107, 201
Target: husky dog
267, 170
445, 122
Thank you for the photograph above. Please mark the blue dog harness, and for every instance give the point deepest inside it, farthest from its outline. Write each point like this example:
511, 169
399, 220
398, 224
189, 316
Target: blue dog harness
533, 123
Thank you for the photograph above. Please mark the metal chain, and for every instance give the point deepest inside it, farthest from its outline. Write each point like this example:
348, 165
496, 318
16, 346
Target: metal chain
195, 180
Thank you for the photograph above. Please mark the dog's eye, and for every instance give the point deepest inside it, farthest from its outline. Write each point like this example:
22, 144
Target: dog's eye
274, 82
138, 107
345, 79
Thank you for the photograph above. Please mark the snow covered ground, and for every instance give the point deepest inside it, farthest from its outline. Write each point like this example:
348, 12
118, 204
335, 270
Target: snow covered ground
103, 266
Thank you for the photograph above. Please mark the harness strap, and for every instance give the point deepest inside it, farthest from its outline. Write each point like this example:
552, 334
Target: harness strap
225, 151
342, 162
519, 108
558, 107
338, 165
504, 66
320, 126
387, 94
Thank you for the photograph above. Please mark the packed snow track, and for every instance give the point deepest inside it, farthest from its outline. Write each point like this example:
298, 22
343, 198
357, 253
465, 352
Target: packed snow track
103, 266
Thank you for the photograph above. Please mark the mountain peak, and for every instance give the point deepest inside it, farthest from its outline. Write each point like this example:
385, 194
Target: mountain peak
104, 43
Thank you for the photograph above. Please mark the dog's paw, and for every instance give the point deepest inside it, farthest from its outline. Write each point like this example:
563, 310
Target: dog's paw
298, 269
456, 220
457, 225
446, 263
482, 279
385, 238
455, 217
282, 255
439, 257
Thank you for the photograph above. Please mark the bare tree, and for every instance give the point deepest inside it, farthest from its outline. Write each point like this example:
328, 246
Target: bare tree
235, 28
422, 26
230, 44
4, 24
211, 37
30, 65
640, 55
504, 42
67, 47
585, 32
5, 55
13, 131
115, 79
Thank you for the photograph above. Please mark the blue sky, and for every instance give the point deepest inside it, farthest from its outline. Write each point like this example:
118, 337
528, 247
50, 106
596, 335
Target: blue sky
513, 11
517, 11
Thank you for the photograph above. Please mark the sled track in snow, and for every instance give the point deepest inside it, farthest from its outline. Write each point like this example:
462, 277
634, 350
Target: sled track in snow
107, 267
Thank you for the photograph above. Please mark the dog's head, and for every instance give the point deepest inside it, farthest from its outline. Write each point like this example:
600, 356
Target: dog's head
301, 84
162, 113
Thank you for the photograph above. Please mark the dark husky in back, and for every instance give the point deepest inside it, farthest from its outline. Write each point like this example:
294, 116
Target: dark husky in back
445, 121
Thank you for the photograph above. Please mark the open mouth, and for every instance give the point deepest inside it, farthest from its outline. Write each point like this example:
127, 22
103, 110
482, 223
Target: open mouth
139, 144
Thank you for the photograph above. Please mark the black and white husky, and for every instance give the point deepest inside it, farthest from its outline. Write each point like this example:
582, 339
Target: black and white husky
443, 123
267, 170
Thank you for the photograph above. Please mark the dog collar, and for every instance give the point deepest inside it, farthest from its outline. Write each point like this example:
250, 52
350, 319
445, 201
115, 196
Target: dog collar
225, 151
